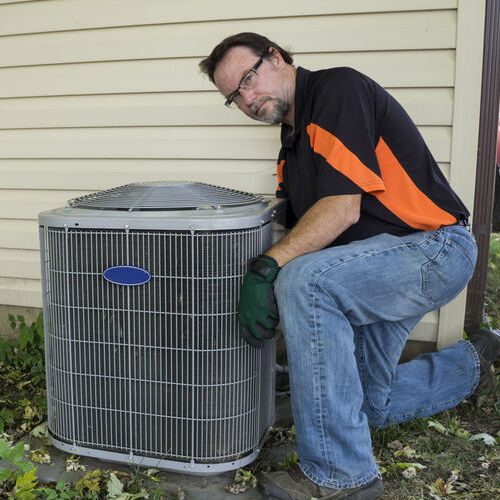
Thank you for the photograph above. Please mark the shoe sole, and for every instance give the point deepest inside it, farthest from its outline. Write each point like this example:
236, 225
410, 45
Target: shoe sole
267, 493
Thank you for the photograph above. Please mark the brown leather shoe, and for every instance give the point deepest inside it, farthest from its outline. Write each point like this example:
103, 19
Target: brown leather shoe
486, 385
292, 484
487, 345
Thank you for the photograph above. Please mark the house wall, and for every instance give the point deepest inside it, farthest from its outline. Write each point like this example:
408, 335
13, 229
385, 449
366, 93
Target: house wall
95, 94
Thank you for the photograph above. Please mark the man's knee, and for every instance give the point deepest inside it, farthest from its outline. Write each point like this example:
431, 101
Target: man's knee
293, 279
376, 418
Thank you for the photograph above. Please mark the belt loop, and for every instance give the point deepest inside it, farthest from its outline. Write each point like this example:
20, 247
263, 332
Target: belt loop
465, 223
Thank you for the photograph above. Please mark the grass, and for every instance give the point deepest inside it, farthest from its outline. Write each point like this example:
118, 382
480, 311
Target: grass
470, 467
492, 302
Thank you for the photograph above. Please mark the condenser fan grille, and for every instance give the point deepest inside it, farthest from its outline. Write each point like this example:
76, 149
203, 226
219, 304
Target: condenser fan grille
165, 196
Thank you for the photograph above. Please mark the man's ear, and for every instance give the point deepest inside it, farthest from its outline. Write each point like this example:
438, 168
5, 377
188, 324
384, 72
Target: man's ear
276, 58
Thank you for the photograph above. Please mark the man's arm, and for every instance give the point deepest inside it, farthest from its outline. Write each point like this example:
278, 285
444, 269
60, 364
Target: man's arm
318, 227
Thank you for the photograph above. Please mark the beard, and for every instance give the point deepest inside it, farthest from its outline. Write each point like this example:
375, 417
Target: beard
274, 116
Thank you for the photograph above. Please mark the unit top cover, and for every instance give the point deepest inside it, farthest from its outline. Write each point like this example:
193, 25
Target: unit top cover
162, 195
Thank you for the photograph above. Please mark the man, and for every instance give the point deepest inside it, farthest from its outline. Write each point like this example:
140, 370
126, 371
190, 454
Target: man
378, 240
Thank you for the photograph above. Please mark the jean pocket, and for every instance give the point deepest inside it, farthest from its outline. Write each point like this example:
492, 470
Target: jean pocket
445, 276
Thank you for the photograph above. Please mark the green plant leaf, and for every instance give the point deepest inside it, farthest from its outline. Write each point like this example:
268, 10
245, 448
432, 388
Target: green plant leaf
61, 484
6, 475
5, 451
289, 461
25, 486
7, 415
462, 433
50, 494
406, 465
39, 323
25, 466
17, 453
26, 337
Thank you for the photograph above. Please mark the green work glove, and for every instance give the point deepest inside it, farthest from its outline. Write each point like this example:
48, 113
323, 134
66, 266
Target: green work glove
257, 310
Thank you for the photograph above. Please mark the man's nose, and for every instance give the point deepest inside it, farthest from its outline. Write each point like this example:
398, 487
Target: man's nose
247, 96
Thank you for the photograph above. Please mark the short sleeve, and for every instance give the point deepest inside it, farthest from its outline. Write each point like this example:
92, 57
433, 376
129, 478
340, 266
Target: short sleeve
342, 134
280, 188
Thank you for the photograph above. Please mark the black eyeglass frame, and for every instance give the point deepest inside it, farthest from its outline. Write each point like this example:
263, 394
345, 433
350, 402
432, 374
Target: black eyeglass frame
253, 69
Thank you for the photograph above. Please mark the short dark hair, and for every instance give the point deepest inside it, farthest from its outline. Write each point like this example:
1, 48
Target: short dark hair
257, 43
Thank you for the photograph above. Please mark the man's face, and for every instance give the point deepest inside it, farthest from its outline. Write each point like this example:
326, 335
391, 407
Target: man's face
267, 99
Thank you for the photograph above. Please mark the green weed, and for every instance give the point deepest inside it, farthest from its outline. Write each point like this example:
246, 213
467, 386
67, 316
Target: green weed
290, 461
61, 491
21, 474
492, 300
22, 369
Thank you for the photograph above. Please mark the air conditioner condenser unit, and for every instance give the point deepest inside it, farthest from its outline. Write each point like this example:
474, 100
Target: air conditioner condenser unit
144, 360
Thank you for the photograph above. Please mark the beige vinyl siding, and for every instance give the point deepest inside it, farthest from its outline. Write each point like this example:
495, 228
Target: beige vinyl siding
95, 94
18, 234
332, 33
63, 15
223, 142
433, 106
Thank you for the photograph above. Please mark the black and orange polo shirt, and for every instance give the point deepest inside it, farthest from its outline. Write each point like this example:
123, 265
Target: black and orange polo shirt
352, 137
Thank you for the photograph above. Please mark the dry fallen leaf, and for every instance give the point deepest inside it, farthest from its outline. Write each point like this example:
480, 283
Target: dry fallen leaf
243, 479
407, 452
442, 488
486, 438
41, 432
29, 413
437, 426
73, 464
40, 456
394, 445
409, 473
439, 487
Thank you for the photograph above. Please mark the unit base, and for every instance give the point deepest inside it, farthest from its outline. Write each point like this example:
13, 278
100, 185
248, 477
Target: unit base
193, 468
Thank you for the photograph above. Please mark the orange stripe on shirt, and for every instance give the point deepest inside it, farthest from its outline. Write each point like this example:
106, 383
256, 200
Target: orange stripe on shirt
403, 198
342, 159
279, 171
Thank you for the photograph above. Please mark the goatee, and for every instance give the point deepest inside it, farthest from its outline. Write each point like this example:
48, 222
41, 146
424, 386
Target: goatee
279, 110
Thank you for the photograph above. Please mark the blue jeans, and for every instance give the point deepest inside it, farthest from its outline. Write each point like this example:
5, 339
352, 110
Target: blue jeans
346, 313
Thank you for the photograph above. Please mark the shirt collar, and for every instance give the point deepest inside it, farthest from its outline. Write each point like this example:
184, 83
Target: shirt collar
289, 134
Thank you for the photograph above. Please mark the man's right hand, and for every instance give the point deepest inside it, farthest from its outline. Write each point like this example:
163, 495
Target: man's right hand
257, 310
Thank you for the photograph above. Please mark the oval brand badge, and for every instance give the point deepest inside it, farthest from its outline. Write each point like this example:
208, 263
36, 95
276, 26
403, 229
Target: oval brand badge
126, 275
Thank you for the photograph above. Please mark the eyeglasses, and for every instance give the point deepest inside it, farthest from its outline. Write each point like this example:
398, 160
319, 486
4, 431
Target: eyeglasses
248, 82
